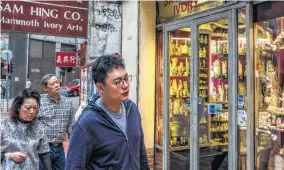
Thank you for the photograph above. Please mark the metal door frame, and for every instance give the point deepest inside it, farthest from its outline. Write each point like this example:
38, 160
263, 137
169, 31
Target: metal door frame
231, 13
166, 65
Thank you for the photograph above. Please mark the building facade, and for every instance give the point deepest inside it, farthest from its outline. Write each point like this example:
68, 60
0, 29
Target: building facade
218, 84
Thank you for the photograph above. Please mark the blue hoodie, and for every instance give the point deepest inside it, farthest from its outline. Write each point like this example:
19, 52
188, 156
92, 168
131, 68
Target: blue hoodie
97, 143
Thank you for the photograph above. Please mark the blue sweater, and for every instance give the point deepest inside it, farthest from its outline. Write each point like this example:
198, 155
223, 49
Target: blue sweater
97, 143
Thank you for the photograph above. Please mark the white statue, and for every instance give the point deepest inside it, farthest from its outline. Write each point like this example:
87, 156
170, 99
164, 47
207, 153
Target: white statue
224, 69
221, 93
273, 78
216, 68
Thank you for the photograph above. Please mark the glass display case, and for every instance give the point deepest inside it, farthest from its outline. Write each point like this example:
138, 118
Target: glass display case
179, 92
269, 99
179, 95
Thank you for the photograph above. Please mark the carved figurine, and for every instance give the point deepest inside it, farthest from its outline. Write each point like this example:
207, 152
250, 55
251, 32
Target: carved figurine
181, 69
184, 49
226, 94
186, 73
172, 47
221, 93
173, 67
185, 91
224, 69
174, 85
174, 128
241, 70
171, 108
216, 68
176, 107
171, 88
214, 94
180, 88
182, 110
272, 75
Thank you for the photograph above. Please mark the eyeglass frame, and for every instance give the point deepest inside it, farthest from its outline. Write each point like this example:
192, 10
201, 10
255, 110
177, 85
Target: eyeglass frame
120, 82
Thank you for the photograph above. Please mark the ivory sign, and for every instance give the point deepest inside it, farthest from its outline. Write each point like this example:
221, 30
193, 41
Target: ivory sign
65, 18
169, 10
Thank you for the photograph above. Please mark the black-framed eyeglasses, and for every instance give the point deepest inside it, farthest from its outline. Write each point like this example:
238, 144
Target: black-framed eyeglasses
120, 82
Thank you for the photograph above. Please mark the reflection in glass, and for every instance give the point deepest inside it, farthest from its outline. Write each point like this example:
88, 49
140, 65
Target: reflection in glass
269, 79
213, 89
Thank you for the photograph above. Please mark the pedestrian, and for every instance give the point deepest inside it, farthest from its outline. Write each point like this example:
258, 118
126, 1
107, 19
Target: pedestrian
57, 115
108, 134
3, 91
23, 142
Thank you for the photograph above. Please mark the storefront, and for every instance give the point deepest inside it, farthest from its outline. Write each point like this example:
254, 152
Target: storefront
219, 81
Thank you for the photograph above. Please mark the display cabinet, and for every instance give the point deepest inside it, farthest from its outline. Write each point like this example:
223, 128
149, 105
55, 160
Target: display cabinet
179, 92
269, 99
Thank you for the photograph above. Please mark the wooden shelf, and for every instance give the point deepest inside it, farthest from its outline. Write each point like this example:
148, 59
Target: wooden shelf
219, 37
219, 78
222, 121
221, 144
178, 148
219, 131
220, 55
179, 77
180, 56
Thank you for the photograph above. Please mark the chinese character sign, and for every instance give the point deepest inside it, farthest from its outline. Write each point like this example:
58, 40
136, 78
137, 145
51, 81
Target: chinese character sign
66, 59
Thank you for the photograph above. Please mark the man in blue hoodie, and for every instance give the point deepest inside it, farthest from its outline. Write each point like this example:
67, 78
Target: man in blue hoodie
108, 134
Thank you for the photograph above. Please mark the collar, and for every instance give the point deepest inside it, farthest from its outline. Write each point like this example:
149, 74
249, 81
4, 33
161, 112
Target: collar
51, 99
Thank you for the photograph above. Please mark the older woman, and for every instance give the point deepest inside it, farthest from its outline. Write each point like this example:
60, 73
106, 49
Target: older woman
23, 141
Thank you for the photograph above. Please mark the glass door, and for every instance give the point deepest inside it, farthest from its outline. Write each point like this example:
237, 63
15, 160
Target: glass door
213, 89
213, 58
173, 122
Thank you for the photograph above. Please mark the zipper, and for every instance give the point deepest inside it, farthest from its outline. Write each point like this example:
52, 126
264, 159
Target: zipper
127, 123
116, 124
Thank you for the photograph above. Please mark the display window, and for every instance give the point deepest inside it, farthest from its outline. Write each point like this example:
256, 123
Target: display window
269, 86
179, 97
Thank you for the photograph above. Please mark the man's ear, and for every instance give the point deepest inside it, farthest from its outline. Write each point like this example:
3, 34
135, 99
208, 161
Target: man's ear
44, 88
100, 87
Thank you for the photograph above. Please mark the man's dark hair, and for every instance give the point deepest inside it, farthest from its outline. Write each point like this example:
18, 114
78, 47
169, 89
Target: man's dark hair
19, 100
105, 64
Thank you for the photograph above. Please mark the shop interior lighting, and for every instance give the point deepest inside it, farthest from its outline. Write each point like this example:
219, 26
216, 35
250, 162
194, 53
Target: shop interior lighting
185, 39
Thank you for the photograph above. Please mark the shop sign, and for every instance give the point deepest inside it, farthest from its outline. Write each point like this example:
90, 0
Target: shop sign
64, 18
66, 59
169, 10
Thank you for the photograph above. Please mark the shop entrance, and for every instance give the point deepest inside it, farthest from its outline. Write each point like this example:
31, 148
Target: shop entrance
196, 95
213, 94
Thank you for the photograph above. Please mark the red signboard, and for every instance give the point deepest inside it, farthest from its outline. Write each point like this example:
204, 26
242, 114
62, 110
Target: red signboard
65, 18
66, 59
